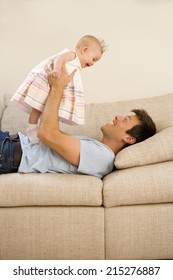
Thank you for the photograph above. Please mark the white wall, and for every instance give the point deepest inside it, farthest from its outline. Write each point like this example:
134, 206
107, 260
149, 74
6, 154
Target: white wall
139, 33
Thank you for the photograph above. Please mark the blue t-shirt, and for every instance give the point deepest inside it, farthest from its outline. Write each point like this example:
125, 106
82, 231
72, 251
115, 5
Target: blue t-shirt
95, 158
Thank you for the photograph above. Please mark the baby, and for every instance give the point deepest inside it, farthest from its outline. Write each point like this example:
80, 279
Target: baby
32, 94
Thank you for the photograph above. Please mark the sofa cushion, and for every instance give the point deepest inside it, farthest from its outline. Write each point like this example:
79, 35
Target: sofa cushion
158, 148
50, 189
148, 184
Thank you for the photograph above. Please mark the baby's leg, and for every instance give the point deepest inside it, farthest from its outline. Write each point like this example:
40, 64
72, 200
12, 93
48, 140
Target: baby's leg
33, 126
34, 116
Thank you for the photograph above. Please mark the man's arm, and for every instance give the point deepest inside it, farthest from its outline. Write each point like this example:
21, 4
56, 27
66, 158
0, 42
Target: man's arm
49, 132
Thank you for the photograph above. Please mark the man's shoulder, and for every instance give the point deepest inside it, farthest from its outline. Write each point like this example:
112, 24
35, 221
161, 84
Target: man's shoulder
95, 158
96, 145
88, 139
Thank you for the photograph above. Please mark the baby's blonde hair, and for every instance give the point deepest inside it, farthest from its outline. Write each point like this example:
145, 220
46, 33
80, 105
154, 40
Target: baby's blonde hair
87, 39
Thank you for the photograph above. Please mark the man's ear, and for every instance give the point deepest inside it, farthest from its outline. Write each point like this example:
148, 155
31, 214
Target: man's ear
128, 139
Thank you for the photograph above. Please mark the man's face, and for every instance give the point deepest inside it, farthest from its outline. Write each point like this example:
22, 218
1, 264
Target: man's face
116, 129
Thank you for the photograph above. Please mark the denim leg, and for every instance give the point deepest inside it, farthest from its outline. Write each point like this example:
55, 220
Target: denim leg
6, 153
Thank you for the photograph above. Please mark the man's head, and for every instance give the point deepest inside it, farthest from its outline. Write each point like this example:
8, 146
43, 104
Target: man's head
90, 50
145, 129
128, 130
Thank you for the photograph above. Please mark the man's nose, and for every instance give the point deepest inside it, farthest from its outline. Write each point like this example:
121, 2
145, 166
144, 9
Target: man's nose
119, 118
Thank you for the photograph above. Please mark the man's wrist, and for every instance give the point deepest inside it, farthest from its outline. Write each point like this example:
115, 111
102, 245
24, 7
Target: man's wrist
57, 88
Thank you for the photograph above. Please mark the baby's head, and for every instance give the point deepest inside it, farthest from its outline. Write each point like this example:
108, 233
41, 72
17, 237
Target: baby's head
89, 50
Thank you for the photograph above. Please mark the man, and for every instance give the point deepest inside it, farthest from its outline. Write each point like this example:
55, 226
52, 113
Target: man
58, 152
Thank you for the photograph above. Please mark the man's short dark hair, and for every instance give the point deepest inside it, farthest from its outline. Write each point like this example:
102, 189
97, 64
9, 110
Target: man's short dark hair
145, 129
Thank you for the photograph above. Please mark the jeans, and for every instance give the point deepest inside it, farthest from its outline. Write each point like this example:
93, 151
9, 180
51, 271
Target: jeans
6, 153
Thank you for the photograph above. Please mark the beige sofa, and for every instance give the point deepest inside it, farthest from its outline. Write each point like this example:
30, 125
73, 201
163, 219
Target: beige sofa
127, 215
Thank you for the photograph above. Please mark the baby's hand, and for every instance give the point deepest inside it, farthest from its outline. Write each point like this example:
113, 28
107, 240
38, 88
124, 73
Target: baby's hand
55, 73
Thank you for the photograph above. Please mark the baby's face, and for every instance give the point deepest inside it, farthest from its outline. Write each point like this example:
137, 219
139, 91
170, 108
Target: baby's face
90, 55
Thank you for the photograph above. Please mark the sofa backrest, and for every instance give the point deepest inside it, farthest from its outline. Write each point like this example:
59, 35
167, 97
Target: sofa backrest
97, 114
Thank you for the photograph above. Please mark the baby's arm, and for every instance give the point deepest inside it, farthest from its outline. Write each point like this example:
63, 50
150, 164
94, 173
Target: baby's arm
60, 60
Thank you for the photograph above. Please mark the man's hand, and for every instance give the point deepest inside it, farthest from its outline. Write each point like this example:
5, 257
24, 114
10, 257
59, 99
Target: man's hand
56, 73
62, 80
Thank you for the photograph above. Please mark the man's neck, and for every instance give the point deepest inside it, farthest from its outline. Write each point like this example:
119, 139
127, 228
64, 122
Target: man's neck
114, 146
